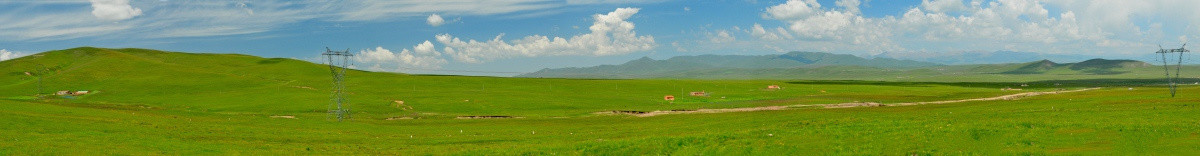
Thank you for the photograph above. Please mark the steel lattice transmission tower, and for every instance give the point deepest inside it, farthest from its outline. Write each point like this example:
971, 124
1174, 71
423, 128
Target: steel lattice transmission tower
40, 72
1172, 82
338, 60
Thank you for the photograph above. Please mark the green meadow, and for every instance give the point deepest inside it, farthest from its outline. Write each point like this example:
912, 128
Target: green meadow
154, 102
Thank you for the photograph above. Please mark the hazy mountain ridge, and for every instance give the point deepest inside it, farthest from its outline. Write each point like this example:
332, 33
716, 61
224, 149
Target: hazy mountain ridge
691, 64
981, 57
811, 65
1092, 66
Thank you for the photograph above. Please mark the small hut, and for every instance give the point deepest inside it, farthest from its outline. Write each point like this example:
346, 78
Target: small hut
62, 92
773, 87
78, 93
669, 98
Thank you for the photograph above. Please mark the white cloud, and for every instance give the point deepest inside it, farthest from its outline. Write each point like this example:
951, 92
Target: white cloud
383, 9
955, 25
1004, 21
377, 55
822, 25
426, 48
722, 36
678, 47
793, 9
435, 20
943, 5
760, 32
610, 34
577, 2
824, 29
245, 7
162, 19
7, 55
419, 61
114, 9
61, 20
422, 57
851, 6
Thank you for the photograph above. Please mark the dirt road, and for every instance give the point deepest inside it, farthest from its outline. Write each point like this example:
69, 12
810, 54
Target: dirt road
842, 105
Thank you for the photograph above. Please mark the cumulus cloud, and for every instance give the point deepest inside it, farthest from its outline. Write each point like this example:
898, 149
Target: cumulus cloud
722, 36
770, 35
114, 9
423, 56
1010, 21
943, 5
610, 34
7, 55
807, 21
435, 20
377, 55
794, 9
851, 6
955, 25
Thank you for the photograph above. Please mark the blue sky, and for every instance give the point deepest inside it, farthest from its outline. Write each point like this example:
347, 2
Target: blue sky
504, 37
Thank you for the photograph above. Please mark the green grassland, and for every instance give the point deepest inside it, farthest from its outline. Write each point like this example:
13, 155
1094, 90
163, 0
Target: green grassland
154, 102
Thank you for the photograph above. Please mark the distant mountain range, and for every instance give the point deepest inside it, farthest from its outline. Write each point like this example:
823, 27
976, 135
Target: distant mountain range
1093, 66
981, 57
647, 66
816, 65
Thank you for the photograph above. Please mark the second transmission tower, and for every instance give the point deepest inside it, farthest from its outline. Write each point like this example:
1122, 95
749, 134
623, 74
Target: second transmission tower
1172, 82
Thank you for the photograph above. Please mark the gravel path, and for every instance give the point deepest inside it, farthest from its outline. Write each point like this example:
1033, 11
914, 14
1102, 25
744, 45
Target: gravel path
844, 105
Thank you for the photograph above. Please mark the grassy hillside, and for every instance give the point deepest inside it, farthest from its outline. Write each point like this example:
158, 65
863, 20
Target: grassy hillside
170, 103
229, 83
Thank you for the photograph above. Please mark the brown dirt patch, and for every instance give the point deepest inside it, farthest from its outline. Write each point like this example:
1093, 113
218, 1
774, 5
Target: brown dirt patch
485, 117
399, 118
852, 104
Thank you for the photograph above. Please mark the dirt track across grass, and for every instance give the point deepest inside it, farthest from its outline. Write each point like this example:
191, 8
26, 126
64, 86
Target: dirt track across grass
845, 105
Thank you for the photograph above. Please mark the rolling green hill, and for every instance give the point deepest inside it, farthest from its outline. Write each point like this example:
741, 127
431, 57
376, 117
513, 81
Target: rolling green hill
241, 84
234, 83
149, 102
